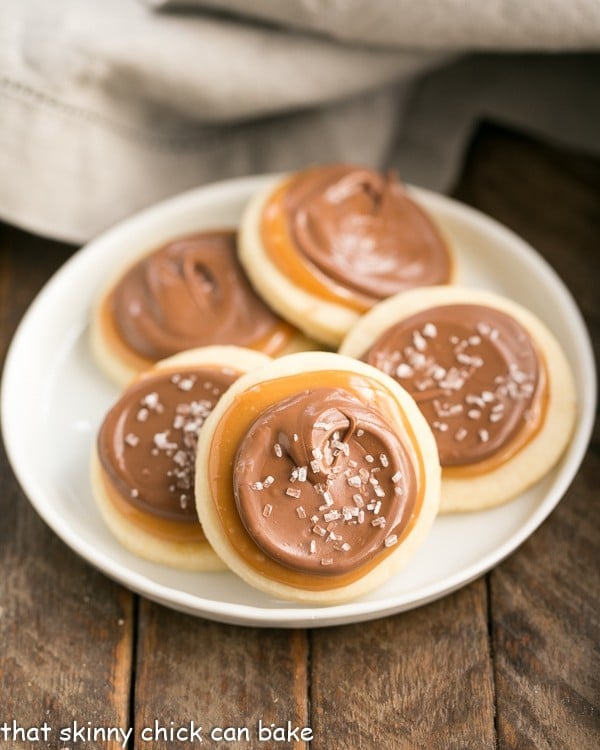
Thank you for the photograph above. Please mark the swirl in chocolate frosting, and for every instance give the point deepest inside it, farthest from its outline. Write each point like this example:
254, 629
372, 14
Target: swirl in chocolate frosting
322, 483
147, 442
191, 293
360, 229
474, 372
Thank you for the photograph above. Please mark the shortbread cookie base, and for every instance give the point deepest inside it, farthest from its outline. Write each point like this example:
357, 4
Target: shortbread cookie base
194, 556
320, 319
544, 449
314, 362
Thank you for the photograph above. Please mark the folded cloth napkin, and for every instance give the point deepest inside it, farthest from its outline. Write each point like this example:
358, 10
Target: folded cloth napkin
108, 107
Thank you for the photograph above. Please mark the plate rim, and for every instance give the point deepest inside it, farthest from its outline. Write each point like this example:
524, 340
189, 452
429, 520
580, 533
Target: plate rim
292, 616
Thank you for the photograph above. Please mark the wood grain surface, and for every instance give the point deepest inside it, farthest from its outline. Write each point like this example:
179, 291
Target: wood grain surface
510, 661
66, 631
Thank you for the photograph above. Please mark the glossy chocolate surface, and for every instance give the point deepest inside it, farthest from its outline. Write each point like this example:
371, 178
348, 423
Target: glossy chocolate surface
474, 372
322, 482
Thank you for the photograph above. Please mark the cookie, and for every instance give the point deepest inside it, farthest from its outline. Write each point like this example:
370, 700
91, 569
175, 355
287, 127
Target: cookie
143, 462
324, 245
317, 478
190, 293
490, 378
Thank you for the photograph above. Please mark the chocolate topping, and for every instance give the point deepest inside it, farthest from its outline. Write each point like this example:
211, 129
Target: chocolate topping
147, 442
322, 483
190, 293
360, 229
473, 371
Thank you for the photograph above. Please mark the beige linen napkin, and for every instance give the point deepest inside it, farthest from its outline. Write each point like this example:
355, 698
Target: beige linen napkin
108, 107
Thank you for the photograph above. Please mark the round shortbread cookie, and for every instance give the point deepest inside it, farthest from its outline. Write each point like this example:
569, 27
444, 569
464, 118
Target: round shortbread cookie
189, 293
461, 406
317, 478
165, 433
350, 239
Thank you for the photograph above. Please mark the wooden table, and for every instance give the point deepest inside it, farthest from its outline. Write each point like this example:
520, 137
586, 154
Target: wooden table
510, 661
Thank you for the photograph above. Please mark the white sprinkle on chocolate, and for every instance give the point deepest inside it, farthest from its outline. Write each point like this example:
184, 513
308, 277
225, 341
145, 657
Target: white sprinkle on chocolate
293, 492
419, 342
471, 398
150, 400
186, 384
343, 447
390, 540
404, 371
267, 510
429, 330
162, 442
132, 440
180, 458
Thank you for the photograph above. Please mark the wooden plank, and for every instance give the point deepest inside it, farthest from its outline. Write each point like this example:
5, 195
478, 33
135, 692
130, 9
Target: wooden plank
546, 630
66, 632
218, 676
418, 679
545, 599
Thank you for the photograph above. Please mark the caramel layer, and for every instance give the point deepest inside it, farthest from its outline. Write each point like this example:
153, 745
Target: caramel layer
172, 531
236, 424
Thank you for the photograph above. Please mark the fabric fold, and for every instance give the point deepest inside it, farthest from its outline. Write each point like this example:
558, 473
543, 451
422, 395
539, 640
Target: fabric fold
108, 107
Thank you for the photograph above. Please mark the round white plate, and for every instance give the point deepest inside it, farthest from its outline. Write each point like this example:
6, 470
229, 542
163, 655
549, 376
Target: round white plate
54, 399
